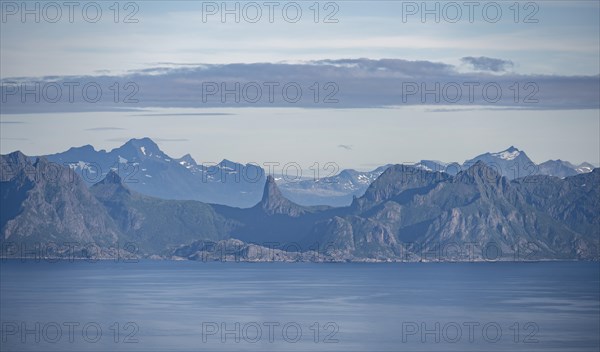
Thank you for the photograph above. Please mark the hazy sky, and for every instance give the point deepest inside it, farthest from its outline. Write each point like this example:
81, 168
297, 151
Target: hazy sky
554, 44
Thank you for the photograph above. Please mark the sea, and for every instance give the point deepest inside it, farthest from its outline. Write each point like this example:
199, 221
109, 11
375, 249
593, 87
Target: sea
145, 305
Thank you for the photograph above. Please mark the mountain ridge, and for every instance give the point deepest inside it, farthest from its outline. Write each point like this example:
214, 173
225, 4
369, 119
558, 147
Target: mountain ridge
406, 211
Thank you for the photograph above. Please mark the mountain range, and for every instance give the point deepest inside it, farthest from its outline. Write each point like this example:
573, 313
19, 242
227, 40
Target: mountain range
148, 170
408, 213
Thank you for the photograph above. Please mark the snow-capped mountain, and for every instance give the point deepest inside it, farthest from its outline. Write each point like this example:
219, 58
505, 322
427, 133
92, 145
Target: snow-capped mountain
148, 170
337, 190
584, 168
439, 166
511, 163
558, 168
561, 168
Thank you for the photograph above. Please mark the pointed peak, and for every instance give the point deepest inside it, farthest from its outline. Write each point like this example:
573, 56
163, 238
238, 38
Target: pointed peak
273, 201
11, 164
111, 178
509, 154
187, 159
15, 156
138, 148
110, 187
271, 191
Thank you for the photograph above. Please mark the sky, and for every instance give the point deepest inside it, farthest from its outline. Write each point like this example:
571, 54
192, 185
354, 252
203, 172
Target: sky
364, 57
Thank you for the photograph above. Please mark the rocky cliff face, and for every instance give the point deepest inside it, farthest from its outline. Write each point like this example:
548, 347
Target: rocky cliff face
474, 213
42, 202
273, 202
408, 213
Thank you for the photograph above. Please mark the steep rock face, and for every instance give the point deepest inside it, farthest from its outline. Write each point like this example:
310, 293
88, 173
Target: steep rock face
397, 180
43, 203
353, 237
478, 207
273, 202
574, 200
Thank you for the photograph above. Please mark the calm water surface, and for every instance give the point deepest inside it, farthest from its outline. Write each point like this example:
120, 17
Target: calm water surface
193, 306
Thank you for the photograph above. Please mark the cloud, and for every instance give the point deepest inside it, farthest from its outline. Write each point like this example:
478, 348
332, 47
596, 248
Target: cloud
11, 122
105, 129
484, 63
190, 114
345, 146
342, 83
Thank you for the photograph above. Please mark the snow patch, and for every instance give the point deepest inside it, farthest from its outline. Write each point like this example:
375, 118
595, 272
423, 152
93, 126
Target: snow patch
506, 155
82, 165
584, 170
143, 149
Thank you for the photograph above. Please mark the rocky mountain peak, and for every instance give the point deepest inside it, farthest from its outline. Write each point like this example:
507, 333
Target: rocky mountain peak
398, 179
271, 191
110, 187
112, 178
142, 147
273, 201
188, 159
13, 159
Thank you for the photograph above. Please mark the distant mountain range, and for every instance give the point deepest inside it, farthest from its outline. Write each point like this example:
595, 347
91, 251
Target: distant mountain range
148, 170
408, 213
